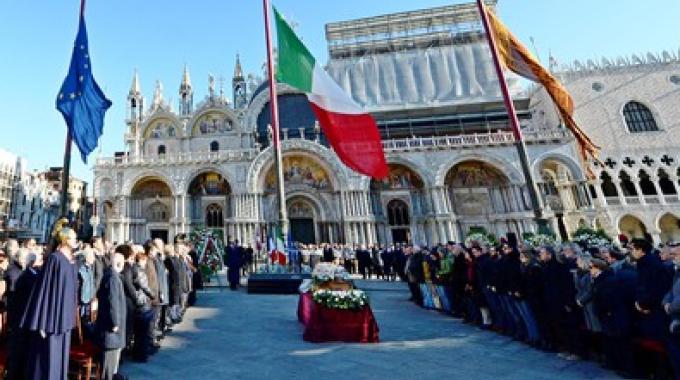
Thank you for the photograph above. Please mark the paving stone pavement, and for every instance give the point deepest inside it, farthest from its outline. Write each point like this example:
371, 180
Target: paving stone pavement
233, 335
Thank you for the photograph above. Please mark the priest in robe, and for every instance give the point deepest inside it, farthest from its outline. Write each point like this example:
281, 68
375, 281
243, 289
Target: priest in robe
51, 311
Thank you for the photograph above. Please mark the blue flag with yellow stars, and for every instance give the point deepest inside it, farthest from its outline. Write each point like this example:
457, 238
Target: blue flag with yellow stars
80, 100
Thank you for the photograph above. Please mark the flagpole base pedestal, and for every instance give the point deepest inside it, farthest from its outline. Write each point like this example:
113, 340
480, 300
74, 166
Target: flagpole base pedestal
272, 283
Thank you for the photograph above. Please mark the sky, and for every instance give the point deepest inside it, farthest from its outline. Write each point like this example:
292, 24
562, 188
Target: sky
159, 37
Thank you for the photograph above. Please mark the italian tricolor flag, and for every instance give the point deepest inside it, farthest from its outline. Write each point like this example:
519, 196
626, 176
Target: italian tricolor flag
277, 248
350, 130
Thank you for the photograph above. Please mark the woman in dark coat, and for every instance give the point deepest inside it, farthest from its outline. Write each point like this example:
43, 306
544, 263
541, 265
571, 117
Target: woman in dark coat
50, 315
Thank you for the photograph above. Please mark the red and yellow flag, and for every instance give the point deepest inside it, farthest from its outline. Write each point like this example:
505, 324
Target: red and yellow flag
516, 57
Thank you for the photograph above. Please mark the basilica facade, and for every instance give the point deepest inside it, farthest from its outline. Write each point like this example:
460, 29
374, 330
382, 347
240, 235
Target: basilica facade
453, 162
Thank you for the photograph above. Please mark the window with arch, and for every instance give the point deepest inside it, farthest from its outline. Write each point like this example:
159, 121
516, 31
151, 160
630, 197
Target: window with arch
213, 216
627, 186
608, 187
639, 118
666, 184
161, 150
397, 213
214, 146
158, 212
646, 185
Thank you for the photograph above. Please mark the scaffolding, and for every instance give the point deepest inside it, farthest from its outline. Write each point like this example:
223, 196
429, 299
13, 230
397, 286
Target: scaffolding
441, 26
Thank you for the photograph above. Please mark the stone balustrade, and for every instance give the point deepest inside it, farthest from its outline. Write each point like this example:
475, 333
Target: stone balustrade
415, 143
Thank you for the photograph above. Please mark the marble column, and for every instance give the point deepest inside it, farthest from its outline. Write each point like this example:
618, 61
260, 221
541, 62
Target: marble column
589, 196
619, 191
600, 193
638, 190
183, 207
655, 180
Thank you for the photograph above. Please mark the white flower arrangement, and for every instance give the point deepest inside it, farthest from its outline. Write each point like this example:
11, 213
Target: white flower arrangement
479, 238
589, 238
353, 299
324, 272
540, 240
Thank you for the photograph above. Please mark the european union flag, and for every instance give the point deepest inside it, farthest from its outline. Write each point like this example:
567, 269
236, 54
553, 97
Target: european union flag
80, 100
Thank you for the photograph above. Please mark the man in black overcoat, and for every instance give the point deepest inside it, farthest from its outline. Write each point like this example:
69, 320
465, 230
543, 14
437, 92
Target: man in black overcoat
110, 325
653, 283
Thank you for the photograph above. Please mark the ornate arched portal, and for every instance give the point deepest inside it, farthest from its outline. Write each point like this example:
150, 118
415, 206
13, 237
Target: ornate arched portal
150, 209
399, 204
483, 196
311, 198
209, 200
302, 216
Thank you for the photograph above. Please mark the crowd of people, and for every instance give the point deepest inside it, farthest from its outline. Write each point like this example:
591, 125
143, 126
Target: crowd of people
121, 299
616, 305
369, 261
619, 306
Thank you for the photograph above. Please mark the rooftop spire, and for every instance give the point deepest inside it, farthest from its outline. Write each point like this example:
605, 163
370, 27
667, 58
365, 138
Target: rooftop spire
238, 71
135, 88
158, 95
186, 80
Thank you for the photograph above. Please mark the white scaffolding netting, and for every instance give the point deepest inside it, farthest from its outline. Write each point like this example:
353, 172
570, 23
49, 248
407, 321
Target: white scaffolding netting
444, 75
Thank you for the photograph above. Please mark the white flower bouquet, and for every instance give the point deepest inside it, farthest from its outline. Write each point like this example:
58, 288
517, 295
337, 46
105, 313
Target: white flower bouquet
353, 299
540, 240
325, 272
589, 238
479, 238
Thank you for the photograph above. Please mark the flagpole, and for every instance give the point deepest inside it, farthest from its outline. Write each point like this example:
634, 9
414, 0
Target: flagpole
274, 105
66, 172
514, 121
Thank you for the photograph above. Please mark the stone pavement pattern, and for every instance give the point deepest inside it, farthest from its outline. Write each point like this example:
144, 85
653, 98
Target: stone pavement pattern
233, 335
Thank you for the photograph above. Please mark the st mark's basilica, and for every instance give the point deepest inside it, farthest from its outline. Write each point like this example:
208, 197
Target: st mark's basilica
431, 86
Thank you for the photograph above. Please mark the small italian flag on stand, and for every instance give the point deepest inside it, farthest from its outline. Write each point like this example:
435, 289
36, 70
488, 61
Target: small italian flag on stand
351, 131
277, 248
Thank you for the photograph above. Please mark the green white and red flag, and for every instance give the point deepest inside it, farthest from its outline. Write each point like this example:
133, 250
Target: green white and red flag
351, 131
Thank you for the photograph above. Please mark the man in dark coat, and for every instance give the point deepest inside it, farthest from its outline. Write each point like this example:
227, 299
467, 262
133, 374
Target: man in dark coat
327, 254
509, 282
197, 277
11, 276
152, 276
129, 291
483, 274
559, 298
614, 308
653, 283
101, 261
458, 278
364, 258
175, 284
110, 324
387, 256
156, 256
234, 265
17, 343
51, 312
248, 257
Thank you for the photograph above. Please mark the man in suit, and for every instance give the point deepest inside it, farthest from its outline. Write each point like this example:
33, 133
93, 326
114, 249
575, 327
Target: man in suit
111, 319
327, 254
234, 265
364, 259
